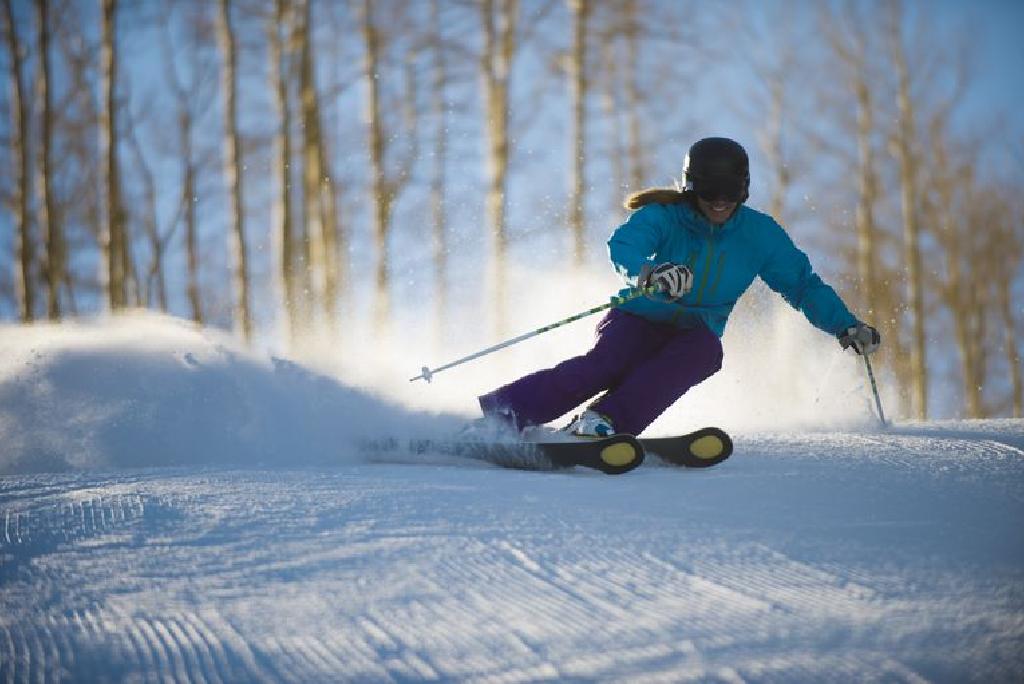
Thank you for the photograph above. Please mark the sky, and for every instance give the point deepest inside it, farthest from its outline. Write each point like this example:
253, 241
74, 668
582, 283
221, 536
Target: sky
999, 83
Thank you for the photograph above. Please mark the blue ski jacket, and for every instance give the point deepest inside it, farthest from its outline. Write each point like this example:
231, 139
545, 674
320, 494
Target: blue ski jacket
725, 260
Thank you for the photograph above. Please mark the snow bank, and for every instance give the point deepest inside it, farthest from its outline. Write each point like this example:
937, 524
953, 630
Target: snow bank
147, 390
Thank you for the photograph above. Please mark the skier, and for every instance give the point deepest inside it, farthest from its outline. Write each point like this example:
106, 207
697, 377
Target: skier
701, 248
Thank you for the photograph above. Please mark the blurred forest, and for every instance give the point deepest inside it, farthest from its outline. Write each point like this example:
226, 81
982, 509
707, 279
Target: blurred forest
284, 166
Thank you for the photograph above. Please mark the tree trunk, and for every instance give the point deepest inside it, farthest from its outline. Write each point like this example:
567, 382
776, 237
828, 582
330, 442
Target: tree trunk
439, 108
49, 223
577, 97
192, 244
867, 196
612, 110
283, 229
183, 94
903, 148
380, 199
24, 282
637, 162
773, 148
242, 314
999, 263
188, 199
496, 62
1011, 345
318, 187
958, 295
154, 280
113, 243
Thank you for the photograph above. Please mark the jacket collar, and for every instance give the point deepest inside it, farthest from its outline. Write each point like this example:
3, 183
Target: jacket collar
696, 222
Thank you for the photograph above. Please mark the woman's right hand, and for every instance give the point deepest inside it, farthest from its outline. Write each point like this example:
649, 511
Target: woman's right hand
672, 280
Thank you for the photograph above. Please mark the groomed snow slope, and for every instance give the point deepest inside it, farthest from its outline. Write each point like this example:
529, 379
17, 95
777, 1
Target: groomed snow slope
173, 508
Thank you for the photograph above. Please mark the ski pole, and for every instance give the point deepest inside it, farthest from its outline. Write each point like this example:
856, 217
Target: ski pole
428, 373
874, 388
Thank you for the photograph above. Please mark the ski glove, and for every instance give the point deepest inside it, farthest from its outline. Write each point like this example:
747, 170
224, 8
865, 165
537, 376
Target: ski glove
669, 279
863, 338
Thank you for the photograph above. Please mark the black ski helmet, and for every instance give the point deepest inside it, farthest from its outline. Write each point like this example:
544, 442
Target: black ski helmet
717, 168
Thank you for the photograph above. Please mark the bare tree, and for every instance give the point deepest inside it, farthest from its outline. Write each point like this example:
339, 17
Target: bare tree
771, 143
49, 222
113, 243
188, 200
612, 110
154, 285
851, 95
285, 239
439, 110
1011, 266
772, 60
635, 148
578, 86
991, 244
385, 185
1010, 252
81, 169
641, 44
499, 19
963, 248
318, 185
852, 48
24, 282
242, 314
903, 147
190, 97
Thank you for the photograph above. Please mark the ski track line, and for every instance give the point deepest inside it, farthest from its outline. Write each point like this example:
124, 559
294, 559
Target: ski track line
182, 644
999, 447
243, 662
219, 662
604, 582
491, 585
49, 525
537, 573
812, 666
210, 668
186, 658
784, 582
460, 625
33, 655
712, 592
152, 646
629, 624
465, 624
357, 655
281, 662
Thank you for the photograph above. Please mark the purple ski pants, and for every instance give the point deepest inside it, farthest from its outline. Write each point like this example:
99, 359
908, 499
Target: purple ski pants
642, 367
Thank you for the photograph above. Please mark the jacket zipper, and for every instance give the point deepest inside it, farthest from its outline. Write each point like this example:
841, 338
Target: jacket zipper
707, 268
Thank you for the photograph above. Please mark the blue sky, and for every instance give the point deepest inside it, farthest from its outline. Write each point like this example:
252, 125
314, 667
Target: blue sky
999, 85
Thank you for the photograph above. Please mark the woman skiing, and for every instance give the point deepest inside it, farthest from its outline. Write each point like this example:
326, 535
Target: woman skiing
700, 248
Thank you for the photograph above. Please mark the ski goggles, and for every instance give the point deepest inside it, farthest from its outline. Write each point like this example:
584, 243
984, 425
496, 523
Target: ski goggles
720, 188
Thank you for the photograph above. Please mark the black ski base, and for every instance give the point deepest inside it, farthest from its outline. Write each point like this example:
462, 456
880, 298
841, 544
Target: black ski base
612, 455
699, 449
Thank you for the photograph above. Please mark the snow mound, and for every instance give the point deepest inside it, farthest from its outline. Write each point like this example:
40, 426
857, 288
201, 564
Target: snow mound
143, 390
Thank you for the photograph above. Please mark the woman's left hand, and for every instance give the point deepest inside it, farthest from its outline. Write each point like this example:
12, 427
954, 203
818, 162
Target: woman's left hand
862, 337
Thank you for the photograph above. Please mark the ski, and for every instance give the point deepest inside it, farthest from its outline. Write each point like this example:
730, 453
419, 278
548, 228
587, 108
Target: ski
699, 449
612, 455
